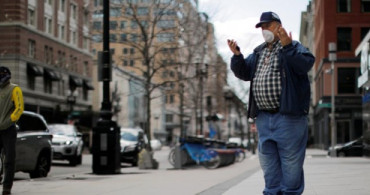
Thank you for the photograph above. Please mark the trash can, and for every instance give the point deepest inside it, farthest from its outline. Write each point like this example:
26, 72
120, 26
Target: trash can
106, 148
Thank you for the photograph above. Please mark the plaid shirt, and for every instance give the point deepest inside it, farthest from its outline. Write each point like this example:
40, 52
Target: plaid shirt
267, 83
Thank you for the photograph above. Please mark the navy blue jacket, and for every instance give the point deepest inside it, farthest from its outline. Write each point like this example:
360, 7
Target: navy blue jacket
295, 62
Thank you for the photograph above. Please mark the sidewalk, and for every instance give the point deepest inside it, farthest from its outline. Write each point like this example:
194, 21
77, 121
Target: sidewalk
324, 176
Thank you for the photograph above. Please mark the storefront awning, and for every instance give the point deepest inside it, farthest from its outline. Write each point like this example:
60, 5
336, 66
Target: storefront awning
88, 85
51, 75
74, 81
34, 70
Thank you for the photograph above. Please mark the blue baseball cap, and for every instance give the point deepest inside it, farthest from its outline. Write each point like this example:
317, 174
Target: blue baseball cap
268, 17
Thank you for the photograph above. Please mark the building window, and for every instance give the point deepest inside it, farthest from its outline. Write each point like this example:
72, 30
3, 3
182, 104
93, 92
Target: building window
365, 5
61, 32
86, 68
134, 24
48, 54
165, 37
73, 11
125, 63
144, 23
169, 118
112, 51
31, 48
97, 38
347, 80
86, 19
98, 14
48, 85
85, 43
132, 62
115, 12
364, 32
141, 11
343, 6
125, 51
98, 3
31, 82
166, 24
48, 2
112, 38
73, 37
132, 50
134, 37
31, 17
123, 37
97, 25
48, 25
113, 25
62, 5
123, 24
344, 39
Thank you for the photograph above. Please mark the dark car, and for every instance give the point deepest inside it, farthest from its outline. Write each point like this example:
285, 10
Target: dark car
33, 147
352, 148
132, 141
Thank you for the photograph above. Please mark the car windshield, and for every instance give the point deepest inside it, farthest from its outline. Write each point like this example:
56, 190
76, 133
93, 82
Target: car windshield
67, 130
129, 136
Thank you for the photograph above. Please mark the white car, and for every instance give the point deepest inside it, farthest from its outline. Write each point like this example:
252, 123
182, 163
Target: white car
67, 143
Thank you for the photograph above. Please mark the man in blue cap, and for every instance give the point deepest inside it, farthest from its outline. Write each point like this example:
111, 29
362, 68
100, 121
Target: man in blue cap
278, 102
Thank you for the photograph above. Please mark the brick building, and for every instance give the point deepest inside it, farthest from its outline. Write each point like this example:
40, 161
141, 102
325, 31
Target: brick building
345, 23
46, 46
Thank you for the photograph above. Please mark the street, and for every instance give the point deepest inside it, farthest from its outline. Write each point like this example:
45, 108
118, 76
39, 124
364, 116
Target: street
323, 176
191, 180
62, 168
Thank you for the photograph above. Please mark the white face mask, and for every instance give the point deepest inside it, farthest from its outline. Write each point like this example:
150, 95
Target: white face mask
268, 36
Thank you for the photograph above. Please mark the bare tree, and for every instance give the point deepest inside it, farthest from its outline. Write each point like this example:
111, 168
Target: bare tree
157, 40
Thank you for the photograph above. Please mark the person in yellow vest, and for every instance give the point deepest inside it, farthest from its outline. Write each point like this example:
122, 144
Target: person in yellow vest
11, 109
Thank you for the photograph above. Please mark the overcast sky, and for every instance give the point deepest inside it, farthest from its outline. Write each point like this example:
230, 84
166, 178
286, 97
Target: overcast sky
236, 19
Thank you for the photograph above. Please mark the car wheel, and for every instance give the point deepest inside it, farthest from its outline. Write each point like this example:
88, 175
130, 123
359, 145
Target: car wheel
341, 154
42, 167
79, 159
134, 161
73, 161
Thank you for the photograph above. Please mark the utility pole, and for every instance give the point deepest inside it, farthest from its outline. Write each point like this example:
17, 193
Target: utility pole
332, 58
106, 134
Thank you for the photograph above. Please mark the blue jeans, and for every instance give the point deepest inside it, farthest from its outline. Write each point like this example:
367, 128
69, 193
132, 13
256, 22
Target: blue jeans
282, 150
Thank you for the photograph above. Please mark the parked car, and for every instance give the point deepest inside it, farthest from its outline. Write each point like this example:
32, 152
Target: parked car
132, 141
352, 148
155, 144
67, 143
33, 146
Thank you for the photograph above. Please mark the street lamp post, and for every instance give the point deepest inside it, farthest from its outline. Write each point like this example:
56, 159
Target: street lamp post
201, 73
228, 94
106, 134
332, 58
